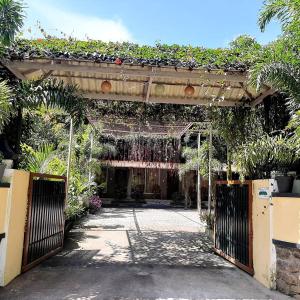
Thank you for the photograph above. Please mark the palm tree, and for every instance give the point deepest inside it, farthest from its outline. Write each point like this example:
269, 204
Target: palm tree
281, 69
287, 12
5, 105
50, 93
11, 20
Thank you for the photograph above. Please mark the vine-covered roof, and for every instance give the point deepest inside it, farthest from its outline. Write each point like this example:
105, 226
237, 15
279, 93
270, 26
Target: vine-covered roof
236, 57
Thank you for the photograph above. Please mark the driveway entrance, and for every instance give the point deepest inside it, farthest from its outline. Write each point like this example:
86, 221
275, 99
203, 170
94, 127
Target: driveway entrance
137, 254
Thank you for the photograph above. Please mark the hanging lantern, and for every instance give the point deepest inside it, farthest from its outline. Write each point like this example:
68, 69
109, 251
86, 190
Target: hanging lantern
159, 89
118, 61
105, 86
189, 90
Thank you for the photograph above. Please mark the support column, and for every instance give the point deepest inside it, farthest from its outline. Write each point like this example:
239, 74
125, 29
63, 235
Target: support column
129, 183
210, 170
91, 157
199, 177
69, 158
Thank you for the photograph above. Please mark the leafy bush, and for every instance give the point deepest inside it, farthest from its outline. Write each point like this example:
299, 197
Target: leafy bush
208, 218
1, 157
257, 158
5, 105
74, 209
239, 56
95, 203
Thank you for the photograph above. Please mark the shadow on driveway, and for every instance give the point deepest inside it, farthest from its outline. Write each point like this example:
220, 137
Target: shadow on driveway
133, 254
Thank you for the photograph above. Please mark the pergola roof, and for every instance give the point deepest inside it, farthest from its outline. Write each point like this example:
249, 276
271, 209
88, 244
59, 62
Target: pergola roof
138, 83
121, 128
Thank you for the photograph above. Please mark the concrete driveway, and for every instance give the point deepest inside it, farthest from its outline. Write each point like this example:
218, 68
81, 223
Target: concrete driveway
137, 254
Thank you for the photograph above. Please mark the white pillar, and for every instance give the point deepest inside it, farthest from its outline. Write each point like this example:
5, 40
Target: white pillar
209, 169
91, 157
199, 177
129, 183
69, 158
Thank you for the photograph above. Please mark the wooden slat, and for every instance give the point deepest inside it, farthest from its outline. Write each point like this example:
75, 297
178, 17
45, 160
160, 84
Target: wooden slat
260, 98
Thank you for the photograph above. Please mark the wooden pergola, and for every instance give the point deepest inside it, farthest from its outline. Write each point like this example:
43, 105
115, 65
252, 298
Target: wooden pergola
145, 83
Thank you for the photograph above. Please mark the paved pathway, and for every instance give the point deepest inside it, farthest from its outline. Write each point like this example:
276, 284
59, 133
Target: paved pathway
140, 254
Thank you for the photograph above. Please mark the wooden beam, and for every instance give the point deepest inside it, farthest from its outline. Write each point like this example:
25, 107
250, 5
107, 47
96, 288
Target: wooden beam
29, 72
148, 89
97, 68
166, 100
250, 96
187, 127
262, 96
46, 75
16, 72
141, 164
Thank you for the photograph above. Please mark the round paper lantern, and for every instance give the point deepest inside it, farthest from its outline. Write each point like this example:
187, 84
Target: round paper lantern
159, 89
118, 61
105, 86
189, 90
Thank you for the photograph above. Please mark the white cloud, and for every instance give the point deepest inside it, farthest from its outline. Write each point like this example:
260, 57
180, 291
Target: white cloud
78, 25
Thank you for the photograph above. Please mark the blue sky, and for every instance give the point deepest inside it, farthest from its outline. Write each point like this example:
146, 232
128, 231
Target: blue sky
208, 23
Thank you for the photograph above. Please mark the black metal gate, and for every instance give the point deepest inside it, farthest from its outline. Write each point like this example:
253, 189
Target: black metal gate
233, 223
44, 230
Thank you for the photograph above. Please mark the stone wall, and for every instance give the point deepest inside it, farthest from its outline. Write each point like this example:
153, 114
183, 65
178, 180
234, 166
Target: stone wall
288, 270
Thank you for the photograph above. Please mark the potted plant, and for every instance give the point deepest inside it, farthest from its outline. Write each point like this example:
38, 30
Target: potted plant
2, 166
258, 158
284, 158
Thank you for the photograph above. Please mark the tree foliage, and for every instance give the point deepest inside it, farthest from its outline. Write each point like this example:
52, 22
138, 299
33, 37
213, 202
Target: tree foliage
5, 104
239, 56
11, 20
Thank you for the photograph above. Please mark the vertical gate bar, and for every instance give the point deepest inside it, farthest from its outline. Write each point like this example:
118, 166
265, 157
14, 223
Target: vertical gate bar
35, 212
50, 217
244, 229
47, 205
28, 222
42, 217
44, 227
233, 224
250, 201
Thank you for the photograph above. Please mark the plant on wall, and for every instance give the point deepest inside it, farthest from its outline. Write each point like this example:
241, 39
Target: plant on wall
257, 158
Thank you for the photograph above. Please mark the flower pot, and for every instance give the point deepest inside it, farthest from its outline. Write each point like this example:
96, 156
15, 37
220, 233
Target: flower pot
2, 169
285, 184
296, 186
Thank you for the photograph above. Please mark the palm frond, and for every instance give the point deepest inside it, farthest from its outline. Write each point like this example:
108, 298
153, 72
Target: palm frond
52, 93
281, 76
5, 104
37, 160
283, 10
11, 20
